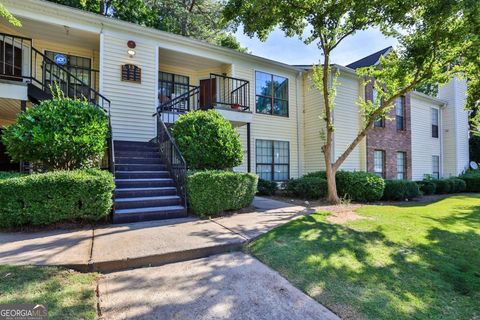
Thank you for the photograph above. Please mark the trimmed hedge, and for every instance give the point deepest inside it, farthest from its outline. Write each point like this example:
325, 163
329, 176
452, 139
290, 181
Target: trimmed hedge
458, 185
443, 186
307, 187
42, 199
472, 180
8, 175
266, 188
399, 190
427, 187
358, 186
211, 192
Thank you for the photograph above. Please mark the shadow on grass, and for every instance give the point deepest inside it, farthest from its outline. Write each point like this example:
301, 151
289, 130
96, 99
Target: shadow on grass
373, 274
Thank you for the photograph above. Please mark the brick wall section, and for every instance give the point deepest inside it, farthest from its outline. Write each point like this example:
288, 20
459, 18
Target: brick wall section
390, 140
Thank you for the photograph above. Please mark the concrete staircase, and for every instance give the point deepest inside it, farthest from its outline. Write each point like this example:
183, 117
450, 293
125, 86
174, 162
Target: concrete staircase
144, 189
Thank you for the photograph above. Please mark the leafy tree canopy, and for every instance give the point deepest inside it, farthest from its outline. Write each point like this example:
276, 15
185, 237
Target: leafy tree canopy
199, 19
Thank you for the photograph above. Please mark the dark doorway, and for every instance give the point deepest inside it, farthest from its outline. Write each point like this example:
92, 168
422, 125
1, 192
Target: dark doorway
208, 93
10, 62
5, 161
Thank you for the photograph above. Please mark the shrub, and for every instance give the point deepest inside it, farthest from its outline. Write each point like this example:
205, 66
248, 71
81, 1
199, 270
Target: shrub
266, 188
7, 175
443, 186
472, 180
399, 190
427, 187
41, 199
208, 141
458, 185
62, 133
308, 187
211, 192
359, 186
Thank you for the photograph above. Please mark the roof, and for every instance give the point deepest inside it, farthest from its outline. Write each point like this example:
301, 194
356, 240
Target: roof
369, 60
98, 20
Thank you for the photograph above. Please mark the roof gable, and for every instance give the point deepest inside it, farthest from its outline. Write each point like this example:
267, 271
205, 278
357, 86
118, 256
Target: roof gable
369, 60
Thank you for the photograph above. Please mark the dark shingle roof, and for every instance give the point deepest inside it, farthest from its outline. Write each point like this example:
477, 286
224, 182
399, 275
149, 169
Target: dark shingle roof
368, 60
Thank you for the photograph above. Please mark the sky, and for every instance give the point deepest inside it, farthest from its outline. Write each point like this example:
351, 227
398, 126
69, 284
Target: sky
293, 51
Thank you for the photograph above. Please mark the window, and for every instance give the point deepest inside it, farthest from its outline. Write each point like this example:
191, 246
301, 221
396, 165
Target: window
434, 123
171, 85
273, 160
436, 167
379, 163
379, 122
400, 113
271, 94
401, 165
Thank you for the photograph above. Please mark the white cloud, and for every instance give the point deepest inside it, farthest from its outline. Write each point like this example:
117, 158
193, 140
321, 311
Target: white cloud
294, 51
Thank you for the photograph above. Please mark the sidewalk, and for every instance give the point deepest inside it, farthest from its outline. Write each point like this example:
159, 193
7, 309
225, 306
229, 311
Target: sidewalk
153, 243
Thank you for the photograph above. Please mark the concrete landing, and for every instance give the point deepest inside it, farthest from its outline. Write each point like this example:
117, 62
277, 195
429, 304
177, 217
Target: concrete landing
153, 243
231, 286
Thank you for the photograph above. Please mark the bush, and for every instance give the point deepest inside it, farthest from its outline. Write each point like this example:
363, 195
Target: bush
472, 180
307, 187
41, 199
266, 188
211, 192
62, 134
458, 185
7, 175
207, 141
360, 186
427, 187
443, 186
399, 190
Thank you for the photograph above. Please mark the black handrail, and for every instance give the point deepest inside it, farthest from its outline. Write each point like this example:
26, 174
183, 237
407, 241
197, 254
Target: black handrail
172, 157
232, 92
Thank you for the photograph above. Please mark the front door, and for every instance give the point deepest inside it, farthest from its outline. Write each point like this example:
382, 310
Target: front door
208, 92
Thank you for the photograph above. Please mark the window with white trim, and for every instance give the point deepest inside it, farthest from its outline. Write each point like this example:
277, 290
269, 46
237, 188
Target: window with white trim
401, 165
436, 167
400, 112
434, 123
272, 160
379, 163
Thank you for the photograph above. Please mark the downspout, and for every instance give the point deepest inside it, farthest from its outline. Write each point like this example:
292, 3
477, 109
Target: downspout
299, 169
440, 124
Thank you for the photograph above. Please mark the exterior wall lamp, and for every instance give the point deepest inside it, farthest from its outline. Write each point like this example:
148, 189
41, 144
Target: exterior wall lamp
131, 46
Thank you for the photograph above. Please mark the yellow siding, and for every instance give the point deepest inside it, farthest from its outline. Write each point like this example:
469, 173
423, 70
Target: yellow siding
347, 119
132, 104
271, 127
423, 145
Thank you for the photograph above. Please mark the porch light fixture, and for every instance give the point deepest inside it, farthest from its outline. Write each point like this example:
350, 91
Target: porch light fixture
131, 46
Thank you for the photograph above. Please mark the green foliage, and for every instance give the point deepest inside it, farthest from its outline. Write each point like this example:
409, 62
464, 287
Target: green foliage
46, 198
359, 186
472, 180
458, 185
307, 187
7, 175
207, 140
474, 144
212, 192
9, 17
443, 186
58, 134
266, 188
399, 190
427, 186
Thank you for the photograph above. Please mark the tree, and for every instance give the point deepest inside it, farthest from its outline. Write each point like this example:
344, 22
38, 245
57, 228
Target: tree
426, 47
199, 19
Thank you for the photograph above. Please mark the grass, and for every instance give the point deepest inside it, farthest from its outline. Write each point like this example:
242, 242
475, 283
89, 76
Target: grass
68, 294
400, 262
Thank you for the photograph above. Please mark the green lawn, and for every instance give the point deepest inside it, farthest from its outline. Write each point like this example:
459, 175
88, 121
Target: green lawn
401, 262
68, 294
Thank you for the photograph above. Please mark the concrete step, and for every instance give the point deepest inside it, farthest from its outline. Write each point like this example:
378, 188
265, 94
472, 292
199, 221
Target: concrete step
141, 174
146, 202
144, 192
149, 213
141, 167
137, 160
144, 183
137, 153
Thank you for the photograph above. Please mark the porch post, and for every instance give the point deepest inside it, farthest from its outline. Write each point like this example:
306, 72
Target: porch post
23, 105
249, 154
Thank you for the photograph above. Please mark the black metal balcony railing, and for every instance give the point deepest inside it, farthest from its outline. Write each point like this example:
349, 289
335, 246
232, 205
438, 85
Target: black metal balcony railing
229, 92
20, 61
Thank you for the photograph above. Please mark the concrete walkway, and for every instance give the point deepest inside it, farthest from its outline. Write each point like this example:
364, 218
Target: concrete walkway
230, 286
120, 247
